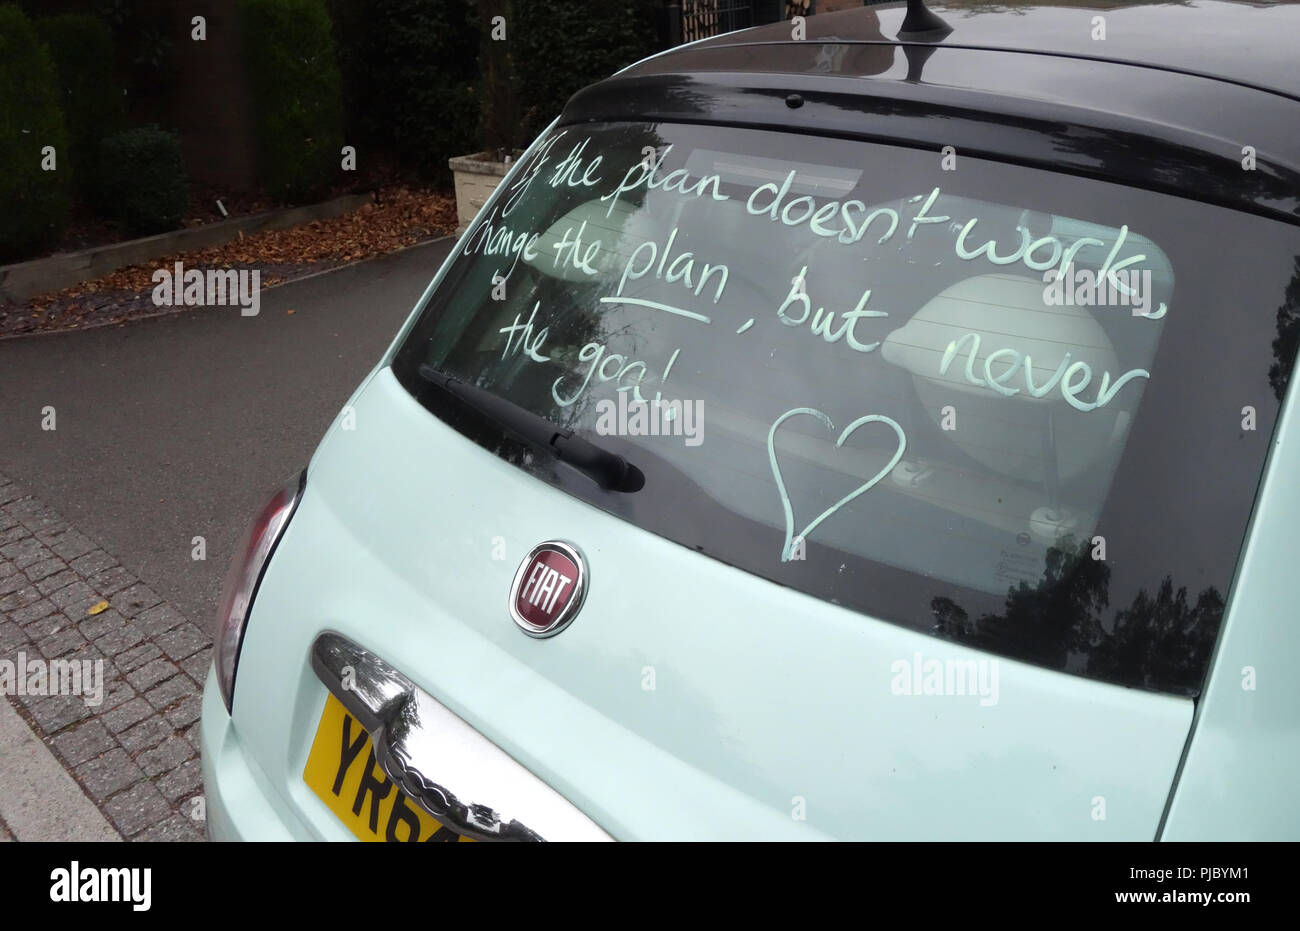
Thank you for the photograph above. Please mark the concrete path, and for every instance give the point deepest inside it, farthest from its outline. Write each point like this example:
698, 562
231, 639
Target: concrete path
39, 799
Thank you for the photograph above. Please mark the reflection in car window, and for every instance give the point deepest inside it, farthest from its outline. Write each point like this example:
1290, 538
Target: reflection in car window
996, 404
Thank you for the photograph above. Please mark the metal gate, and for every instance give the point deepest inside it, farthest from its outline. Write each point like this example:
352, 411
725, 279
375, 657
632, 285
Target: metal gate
704, 18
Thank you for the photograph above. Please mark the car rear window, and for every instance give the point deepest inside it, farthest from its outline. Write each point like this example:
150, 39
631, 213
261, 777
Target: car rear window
1014, 408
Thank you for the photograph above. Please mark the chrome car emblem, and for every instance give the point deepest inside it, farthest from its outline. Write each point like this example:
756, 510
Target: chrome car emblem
548, 589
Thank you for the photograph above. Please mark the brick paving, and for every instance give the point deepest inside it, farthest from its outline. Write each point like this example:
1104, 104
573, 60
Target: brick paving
136, 755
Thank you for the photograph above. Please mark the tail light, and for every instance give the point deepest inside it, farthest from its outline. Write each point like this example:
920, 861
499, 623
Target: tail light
245, 575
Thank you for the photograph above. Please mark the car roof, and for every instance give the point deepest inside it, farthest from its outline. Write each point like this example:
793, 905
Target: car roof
1252, 43
1176, 98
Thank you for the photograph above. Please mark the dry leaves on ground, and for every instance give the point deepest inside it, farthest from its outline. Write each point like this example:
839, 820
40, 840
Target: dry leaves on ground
397, 218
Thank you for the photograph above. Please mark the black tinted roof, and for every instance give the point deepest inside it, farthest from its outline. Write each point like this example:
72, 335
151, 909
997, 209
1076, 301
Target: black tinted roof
1251, 43
1202, 101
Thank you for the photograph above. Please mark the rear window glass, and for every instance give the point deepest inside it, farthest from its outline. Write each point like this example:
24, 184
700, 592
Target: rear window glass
1017, 409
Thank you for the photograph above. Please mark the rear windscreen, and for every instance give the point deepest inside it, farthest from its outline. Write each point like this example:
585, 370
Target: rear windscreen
1021, 410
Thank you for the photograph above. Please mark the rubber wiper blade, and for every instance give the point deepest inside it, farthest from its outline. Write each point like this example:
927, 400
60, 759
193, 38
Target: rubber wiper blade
607, 469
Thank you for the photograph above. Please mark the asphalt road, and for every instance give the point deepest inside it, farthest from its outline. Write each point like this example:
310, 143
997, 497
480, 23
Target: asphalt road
181, 426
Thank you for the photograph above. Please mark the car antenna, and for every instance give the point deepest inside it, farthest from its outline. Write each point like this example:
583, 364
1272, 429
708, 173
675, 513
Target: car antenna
921, 25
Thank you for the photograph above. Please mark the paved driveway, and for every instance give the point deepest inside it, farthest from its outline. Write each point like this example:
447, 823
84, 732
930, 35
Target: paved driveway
164, 430
181, 426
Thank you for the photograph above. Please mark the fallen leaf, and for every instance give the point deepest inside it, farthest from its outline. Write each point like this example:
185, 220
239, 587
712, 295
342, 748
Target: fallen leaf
99, 608
402, 217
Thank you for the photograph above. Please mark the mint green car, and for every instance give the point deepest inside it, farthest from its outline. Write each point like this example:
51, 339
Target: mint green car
884, 434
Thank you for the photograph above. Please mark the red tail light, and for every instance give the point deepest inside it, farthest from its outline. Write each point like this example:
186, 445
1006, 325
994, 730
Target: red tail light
245, 575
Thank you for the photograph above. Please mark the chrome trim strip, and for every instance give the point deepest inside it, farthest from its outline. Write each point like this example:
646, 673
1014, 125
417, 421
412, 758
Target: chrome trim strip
417, 738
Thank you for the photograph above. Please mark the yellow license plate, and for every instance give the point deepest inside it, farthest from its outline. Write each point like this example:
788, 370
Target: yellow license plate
342, 771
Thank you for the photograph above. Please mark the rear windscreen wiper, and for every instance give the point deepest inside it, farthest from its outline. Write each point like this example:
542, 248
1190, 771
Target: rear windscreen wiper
608, 470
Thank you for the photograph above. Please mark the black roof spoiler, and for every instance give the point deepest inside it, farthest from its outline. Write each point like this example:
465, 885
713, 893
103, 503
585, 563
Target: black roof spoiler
1118, 145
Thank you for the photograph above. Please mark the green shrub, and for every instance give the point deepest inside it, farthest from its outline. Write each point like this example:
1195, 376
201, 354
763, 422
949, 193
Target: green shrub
93, 102
412, 68
498, 127
424, 78
34, 203
353, 42
558, 49
442, 122
297, 95
143, 185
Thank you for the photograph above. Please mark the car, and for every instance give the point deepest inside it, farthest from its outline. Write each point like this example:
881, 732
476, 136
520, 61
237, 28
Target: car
879, 432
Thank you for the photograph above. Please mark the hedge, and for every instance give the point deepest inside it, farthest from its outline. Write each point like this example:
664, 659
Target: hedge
412, 69
93, 102
558, 49
34, 203
144, 185
297, 95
